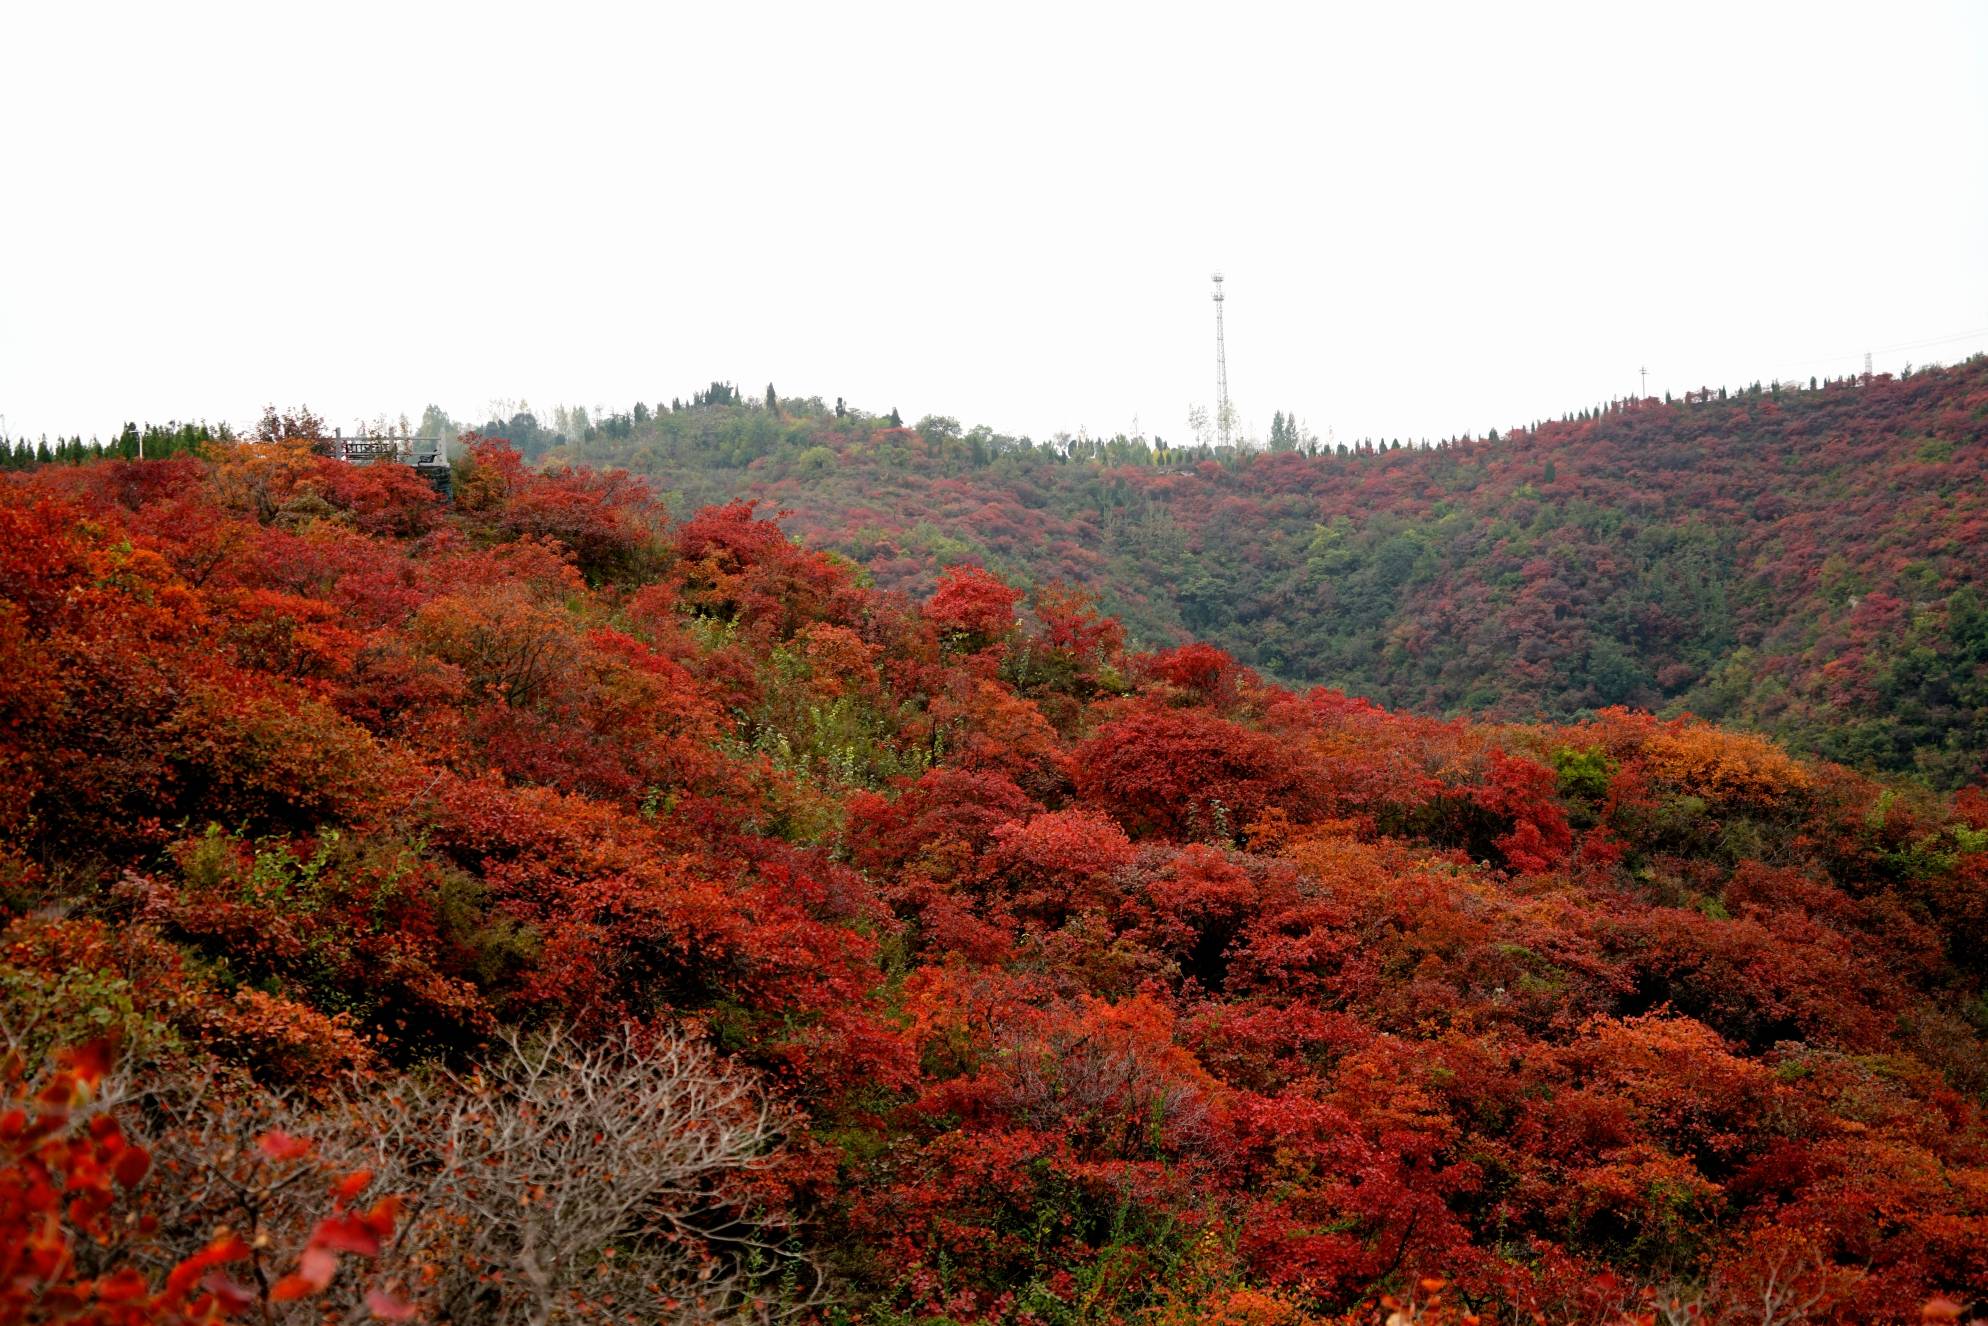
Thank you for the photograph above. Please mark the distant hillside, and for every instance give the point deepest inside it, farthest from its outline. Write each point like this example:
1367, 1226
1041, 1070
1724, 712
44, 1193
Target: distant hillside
1802, 561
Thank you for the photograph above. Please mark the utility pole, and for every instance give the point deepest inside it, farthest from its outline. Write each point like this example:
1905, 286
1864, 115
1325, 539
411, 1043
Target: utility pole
1222, 410
1646, 382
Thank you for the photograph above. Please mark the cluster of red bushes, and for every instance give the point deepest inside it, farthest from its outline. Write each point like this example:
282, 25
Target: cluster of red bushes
666, 925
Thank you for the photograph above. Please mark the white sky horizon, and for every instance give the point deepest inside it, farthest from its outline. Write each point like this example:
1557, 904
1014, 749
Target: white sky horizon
1433, 220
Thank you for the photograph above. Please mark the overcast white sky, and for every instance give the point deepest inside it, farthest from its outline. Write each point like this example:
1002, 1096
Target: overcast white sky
1433, 219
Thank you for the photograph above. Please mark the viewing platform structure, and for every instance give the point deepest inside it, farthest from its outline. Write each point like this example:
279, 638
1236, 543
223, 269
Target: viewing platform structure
427, 456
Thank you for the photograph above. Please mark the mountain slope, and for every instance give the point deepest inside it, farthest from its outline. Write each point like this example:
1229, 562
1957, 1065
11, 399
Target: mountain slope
932, 960
1808, 563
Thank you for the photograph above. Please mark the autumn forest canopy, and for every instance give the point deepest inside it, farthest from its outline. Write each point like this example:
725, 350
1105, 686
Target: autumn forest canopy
1800, 559
748, 859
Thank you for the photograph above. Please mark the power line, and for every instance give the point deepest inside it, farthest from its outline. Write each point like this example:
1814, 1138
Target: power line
1932, 340
1921, 344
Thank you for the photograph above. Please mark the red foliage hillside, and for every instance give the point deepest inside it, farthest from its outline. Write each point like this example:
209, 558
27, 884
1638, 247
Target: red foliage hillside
1802, 559
654, 920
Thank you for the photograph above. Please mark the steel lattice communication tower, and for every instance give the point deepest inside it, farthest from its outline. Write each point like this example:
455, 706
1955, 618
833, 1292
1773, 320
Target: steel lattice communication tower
1222, 411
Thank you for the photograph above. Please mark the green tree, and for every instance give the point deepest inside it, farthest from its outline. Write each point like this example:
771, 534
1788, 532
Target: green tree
1284, 432
435, 422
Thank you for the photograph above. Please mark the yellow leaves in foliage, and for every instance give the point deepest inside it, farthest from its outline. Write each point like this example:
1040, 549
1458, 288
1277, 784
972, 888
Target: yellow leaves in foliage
1250, 1307
1340, 862
275, 749
256, 479
508, 643
288, 1041
1205, 1290
1725, 768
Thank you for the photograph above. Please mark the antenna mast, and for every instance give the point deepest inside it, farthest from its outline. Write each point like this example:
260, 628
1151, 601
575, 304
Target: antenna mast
1222, 410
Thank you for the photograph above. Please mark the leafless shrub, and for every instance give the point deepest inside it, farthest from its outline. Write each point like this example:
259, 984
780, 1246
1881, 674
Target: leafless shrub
561, 1181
